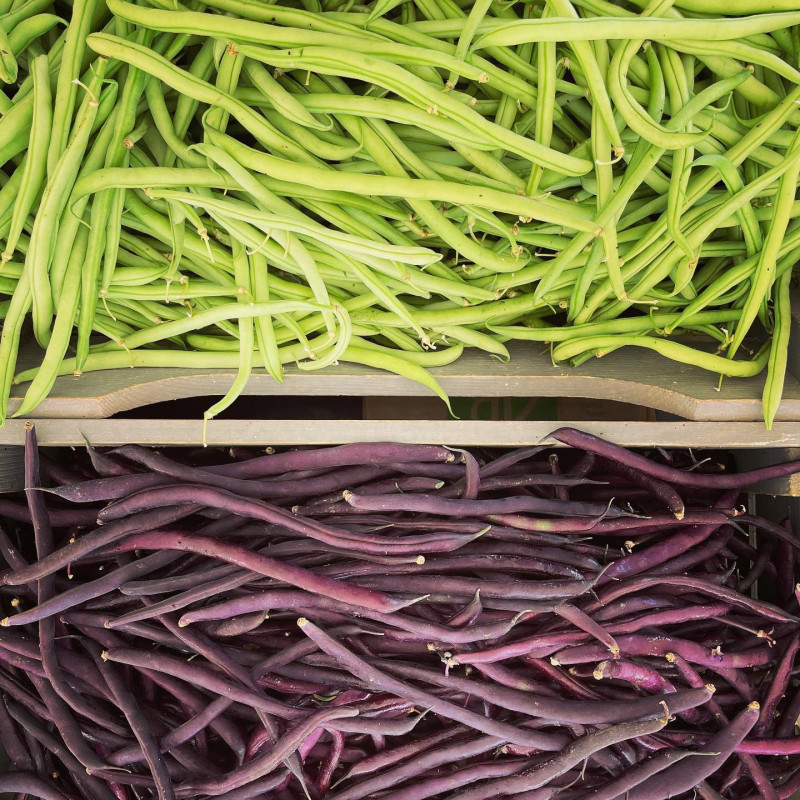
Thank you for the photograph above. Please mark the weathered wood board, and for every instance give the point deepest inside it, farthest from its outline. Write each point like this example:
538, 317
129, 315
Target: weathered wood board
107, 432
629, 375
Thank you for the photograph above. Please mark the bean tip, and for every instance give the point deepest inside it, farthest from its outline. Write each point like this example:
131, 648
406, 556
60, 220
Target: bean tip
754, 706
104, 655
302, 622
5, 622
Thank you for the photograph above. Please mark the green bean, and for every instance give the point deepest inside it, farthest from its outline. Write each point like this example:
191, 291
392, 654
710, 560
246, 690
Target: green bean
54, 199
634, 28
29, 30
764, 275
69, 72
779, 348
186, 83
600, 345
35, 162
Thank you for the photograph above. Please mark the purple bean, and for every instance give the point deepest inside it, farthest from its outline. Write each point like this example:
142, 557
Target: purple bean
712, 547
758, 607
177, 736
59, 518
586, 441
779, 683
549, 591
638, 675
198, 676
463, 563
468, 614
29, 784
658, 762
422, 762
13, 744
176, 583
661, 491
770, 747
257, 789
664, 551
502, 463
572, 755
434, 787
340, 479
432, 504
261, 766
87, 591
634, 645
600, 526
688, 773
787, 722
255, 562
176, 602
96, 539
444, 708
67, 726
585, 623
554, 708
300, 601
238, 626
94, 788
104, 489
331, 762
759, 565
387, 758
211, 497
345, 455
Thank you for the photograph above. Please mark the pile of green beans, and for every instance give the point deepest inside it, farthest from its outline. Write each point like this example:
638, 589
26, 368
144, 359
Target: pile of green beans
232, 183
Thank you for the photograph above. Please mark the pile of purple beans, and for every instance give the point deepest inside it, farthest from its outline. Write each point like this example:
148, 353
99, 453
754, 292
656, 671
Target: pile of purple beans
396, 622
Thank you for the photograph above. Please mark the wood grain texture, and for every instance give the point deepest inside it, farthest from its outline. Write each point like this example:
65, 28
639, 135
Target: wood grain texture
628, 375
450, 432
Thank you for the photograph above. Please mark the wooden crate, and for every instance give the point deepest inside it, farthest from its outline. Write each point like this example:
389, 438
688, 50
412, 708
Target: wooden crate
632, 396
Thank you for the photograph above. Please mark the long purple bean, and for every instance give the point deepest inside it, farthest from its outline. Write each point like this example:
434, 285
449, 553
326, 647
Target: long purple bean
13, 743
139, 725
88, 591
261, 766
104, 489
366, 672
432, 504
255, 562
779, 683
176, 602
59, 518
586, 441
554, 708
665, 494
636, 645
96, 539
177, 736
93, 787
212, 497
387, 758
434, 787
758, 607
688, 773
422, 762
28, 784
313, 486
572, 755
345, 455
658, 762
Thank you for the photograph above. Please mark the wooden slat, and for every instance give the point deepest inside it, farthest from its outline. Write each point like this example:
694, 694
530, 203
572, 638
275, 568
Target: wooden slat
449, 432
629, 375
